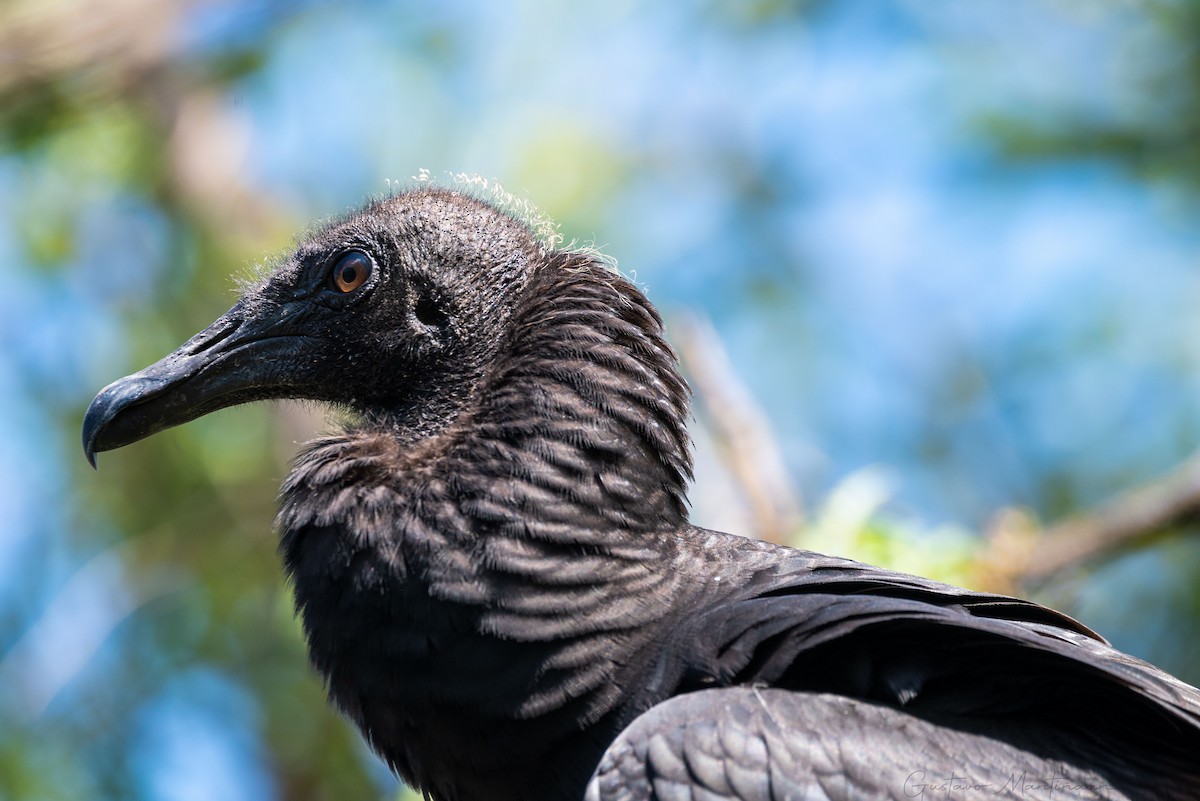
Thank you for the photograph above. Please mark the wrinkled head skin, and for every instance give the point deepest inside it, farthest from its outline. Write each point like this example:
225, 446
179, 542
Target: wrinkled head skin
391, 313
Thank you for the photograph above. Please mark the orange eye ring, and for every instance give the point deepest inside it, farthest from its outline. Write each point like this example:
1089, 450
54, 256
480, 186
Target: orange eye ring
351, 271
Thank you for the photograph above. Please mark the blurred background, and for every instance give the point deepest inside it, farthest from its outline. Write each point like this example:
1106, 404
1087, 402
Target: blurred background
934, 269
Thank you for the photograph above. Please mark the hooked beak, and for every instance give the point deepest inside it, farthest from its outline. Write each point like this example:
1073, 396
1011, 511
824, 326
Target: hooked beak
238, 358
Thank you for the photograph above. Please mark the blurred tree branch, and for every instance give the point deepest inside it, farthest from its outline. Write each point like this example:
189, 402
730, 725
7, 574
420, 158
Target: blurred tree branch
60, 62
1128, 520
1021, 552
108, 47
1016, 550
741, 430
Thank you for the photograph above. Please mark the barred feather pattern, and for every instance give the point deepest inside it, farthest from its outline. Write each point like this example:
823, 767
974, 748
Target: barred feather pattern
482, 545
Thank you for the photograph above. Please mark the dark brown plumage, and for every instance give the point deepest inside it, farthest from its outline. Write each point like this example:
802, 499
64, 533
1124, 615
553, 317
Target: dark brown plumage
499, 584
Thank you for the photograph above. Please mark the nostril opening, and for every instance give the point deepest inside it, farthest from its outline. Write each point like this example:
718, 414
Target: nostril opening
429, 313
210, 338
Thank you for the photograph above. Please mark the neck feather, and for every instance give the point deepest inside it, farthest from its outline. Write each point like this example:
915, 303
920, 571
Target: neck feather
535, 526
585, 409
568, 468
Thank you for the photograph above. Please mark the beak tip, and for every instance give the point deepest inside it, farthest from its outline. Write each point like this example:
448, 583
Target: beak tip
199, 377
100, 414
91, 426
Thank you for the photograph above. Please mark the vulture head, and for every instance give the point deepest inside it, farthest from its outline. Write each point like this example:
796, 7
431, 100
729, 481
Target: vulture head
393, 313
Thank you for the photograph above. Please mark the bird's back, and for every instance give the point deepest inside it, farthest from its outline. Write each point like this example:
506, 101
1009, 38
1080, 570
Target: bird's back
852, 680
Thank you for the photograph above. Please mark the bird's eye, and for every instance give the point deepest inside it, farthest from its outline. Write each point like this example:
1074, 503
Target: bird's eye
351, 271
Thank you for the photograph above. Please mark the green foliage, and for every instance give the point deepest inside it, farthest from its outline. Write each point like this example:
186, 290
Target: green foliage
851, 522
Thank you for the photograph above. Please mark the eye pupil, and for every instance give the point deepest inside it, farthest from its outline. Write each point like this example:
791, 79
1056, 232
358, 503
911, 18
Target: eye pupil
351, 271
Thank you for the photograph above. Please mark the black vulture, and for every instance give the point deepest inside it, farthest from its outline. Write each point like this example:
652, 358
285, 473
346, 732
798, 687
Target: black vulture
500, 586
